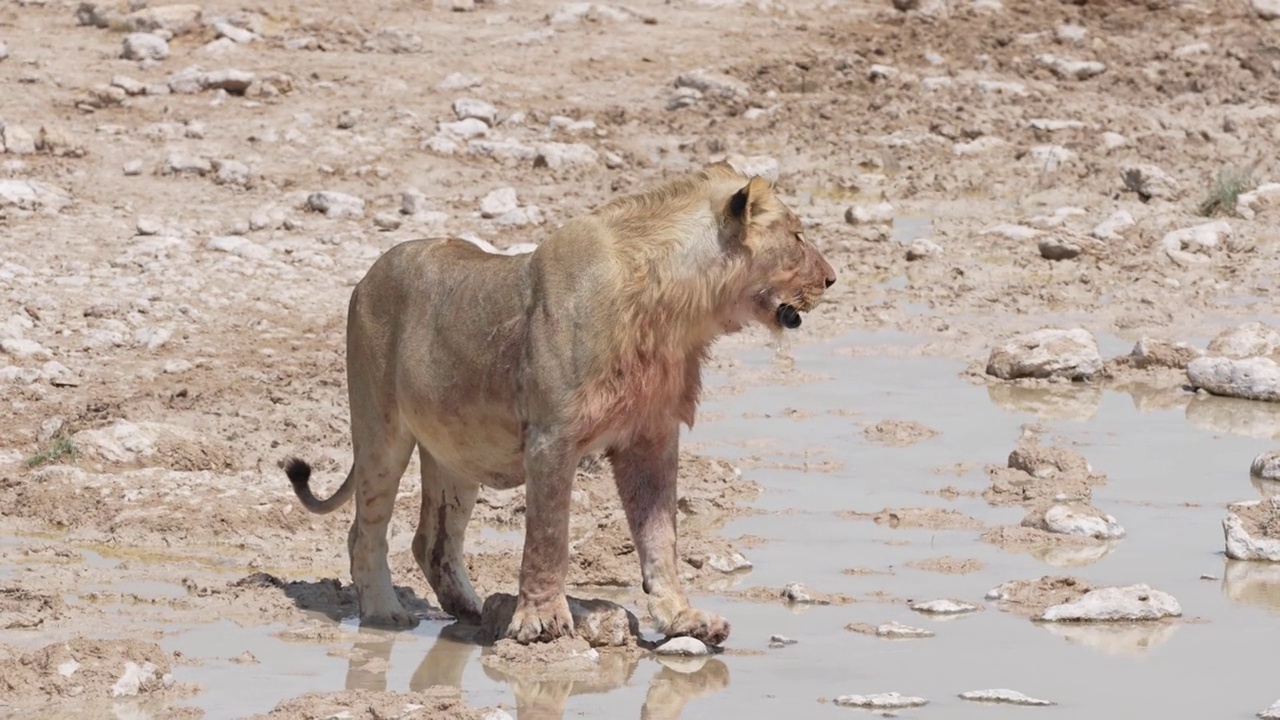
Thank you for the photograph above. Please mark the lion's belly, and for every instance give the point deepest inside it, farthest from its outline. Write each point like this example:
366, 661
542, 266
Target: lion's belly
480, 443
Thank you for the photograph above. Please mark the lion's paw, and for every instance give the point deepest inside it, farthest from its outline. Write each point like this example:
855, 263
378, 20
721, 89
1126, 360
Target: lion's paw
399, 619
465, 610
700, 624
546, 622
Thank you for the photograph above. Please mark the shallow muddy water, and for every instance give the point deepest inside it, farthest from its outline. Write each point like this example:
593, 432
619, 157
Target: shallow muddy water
1171, 470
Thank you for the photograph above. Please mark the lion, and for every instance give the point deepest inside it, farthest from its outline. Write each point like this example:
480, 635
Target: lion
505, 370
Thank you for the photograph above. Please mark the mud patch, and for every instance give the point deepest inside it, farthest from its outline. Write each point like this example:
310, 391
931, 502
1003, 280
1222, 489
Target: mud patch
898, 433
948, 565
1032, 597
566, 658
1261, 520
1053, 548
794, 595
921, 517
270, 596
1036, 473
86, 677
865, 571
434, 703
22, 609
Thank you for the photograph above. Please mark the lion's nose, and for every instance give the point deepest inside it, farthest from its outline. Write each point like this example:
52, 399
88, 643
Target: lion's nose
831, 280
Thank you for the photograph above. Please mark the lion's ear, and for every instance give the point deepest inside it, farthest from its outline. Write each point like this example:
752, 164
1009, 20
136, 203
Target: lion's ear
722, 168
742, 204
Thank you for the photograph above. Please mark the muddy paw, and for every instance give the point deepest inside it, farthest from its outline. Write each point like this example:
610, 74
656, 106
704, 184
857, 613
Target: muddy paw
464, 610
540, 623
707, 627
398, 619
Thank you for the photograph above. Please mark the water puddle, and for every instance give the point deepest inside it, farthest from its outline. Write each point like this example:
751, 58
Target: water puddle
910, 227
1172, 466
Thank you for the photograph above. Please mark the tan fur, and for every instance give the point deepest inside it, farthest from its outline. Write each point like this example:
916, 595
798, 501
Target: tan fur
505, 369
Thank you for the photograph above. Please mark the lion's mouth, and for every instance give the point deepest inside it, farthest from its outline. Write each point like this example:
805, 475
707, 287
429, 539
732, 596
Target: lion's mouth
788, 316
784, 311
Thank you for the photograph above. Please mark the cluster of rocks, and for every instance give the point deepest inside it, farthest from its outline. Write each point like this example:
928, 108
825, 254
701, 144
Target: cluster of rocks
576, 12
1054, 241
188, 81
32, 196
474, 131
1240, 362
50, 139
149, 29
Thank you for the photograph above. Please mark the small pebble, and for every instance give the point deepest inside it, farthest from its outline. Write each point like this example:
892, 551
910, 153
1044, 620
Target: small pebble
499, 202
144, 46
347, 119
777, 641
387, 221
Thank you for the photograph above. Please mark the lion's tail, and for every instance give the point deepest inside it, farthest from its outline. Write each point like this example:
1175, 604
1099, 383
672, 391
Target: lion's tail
299, 473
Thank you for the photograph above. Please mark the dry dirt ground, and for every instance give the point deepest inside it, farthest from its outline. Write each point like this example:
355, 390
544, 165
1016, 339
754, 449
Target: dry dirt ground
174, 277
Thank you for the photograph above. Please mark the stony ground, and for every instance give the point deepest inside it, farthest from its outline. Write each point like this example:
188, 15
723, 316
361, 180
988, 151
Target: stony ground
188, 193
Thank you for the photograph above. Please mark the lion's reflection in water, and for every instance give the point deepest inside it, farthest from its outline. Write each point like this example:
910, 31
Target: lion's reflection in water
539, 696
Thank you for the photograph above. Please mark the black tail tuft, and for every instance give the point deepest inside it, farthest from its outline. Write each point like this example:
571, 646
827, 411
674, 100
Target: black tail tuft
299, 472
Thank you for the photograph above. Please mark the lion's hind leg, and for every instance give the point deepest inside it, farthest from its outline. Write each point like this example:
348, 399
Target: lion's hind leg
380, 461
447, 502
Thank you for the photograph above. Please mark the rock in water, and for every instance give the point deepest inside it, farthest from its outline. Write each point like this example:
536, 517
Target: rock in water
1047, 353
683, 646
896, 630
1007, 697
797, 593
1078, 519
943, 607
881, 701
1256, 378
1152, 352
1266, 466
1128, 603
1246, 529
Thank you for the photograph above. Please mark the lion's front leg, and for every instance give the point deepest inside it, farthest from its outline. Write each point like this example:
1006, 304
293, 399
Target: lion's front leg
542, 610
646, 473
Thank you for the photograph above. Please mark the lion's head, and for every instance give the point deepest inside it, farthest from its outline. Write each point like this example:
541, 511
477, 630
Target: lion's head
783, 274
